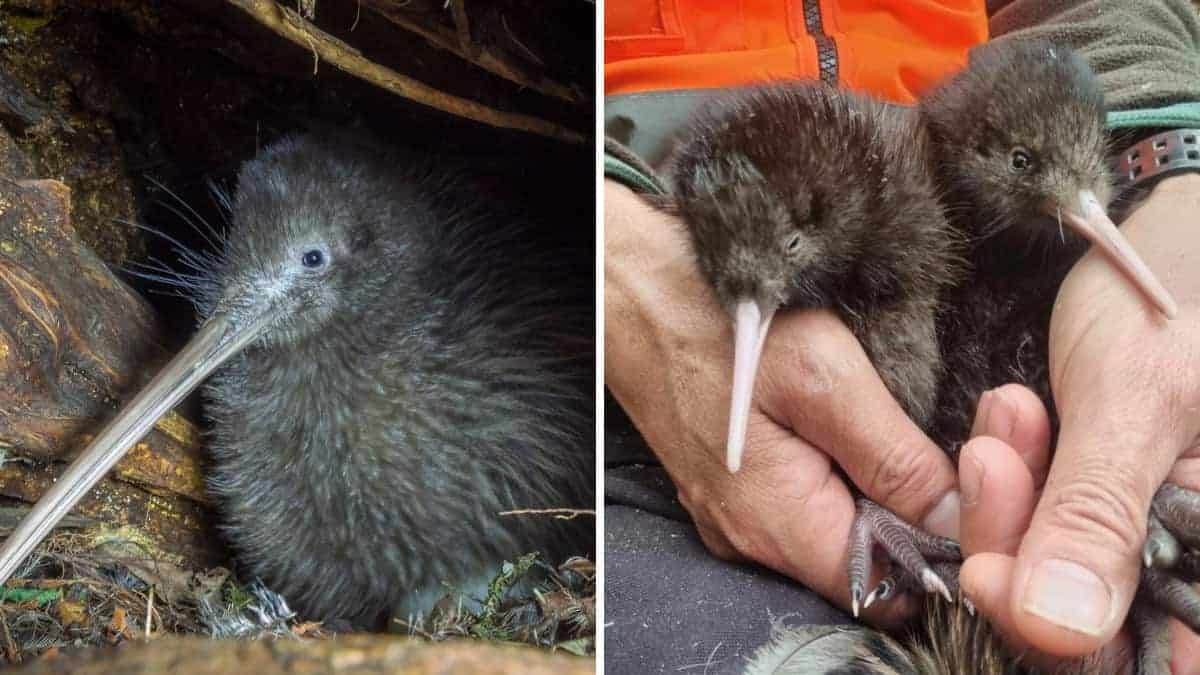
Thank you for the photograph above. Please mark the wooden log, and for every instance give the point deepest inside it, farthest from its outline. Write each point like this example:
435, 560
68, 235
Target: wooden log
22, 110
365, 654
74, 342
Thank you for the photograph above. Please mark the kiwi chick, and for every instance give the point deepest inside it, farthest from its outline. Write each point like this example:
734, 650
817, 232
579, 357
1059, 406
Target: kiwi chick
394, 365
796, 195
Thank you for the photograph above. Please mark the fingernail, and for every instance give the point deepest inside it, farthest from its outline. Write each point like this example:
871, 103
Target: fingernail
982, 411
1069, 595
971, 481
943, 519
1002, 418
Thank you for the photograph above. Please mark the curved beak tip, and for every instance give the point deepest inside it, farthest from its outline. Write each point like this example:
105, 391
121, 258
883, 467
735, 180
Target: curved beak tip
733, 459
1092, 222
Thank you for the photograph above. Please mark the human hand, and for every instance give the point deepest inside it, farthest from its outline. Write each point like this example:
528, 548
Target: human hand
1127, 389
1002, 471
818, 401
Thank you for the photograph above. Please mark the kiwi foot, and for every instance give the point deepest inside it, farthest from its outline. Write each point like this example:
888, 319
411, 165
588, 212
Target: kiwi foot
1178, 511
909, 549
898, 581
1153, 636
1172, 564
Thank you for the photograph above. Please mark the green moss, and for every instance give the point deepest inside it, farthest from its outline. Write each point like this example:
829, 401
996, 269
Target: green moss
38, 596
490, 623
24, 23
235, 596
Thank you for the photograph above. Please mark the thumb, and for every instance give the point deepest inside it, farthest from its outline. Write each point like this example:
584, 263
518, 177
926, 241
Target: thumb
1078, 567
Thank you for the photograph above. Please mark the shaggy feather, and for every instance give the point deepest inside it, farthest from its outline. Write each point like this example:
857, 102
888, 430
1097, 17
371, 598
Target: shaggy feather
949, 640
758, 165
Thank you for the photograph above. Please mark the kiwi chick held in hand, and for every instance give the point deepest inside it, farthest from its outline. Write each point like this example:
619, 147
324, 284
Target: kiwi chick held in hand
797, 195
1020, 136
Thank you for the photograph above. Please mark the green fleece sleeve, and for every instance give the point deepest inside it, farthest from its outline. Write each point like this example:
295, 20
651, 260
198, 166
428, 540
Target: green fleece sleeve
1146, 53
625, 166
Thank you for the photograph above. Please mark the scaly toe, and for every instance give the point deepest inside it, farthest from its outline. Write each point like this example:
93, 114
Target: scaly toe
1152, 635
1161, 549
1178, 509
1172, 595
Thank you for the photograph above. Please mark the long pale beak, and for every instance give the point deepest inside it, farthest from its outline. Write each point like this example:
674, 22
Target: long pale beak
213, 344
1092, 222
749, 331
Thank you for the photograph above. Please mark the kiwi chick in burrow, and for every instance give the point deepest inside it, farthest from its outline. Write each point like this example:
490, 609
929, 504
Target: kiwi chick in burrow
397, 363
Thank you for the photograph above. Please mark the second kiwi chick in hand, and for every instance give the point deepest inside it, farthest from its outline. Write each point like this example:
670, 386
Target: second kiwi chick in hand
1025, 176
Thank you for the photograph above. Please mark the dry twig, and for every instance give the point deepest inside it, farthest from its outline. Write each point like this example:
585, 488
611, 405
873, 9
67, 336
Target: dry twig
287, 23
10, 647
463, 25
487, 59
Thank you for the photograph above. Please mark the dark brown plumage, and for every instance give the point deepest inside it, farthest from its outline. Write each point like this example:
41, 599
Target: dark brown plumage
432, 372
797, 195
1019, 147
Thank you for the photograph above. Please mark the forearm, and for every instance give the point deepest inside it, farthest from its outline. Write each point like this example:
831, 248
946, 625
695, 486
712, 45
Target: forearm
648, 268
1146, 53
627, 292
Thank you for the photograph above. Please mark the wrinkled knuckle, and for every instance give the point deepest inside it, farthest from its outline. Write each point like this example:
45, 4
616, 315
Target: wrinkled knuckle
742, 538
722, 533
743, 547
717, 544
900, 473
1102, 509
691, 500
803, 372
700, 505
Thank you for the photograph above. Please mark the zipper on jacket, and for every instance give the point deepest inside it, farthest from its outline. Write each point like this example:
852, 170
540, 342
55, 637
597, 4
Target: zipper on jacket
827, 61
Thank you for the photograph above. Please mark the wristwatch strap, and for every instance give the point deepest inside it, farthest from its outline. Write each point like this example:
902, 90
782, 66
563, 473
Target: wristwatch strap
1151, 159
624, 166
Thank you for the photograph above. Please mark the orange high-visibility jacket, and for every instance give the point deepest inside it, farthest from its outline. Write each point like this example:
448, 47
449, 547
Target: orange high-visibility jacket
893, 49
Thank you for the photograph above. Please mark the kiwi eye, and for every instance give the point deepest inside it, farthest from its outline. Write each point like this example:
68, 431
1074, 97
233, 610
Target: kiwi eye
793, 243
313, 259
1020, 161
